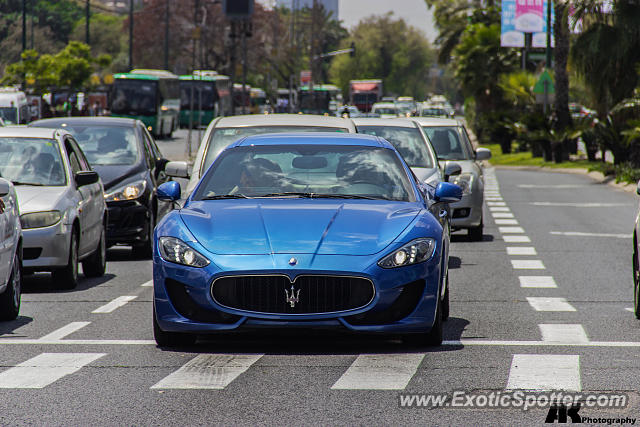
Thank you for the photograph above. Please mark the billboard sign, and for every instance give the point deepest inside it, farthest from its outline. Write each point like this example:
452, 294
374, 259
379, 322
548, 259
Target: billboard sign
530, 16
512, 37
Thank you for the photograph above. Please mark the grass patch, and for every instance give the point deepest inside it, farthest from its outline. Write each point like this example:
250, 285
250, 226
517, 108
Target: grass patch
526, 159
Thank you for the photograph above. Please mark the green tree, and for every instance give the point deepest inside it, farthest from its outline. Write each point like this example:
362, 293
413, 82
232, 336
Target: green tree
389, 49
107, 36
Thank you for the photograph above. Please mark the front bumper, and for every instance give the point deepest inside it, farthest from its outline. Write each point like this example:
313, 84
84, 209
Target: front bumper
388, 312
128, 222
46, 248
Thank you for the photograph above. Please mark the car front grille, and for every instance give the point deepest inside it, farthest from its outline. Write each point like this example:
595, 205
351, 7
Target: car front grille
276, 294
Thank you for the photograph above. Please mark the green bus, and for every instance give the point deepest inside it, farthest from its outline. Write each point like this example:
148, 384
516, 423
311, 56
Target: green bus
152, 96
211, 97
318, 100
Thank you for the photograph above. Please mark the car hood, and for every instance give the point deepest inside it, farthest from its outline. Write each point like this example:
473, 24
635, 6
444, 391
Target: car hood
36, 199
113, 175
303, 226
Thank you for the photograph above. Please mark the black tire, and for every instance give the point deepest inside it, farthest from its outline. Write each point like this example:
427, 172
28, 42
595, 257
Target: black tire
96, 264
67, 277
144, 250
636, 285
475, 233
170, 339
10, 298
445, 301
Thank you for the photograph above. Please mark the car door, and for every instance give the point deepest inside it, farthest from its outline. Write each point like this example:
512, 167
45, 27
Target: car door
6, 241
91, 207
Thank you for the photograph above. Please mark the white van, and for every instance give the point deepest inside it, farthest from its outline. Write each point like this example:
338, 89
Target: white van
14, 109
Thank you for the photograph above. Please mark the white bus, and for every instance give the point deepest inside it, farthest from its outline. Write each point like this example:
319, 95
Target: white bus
14, 108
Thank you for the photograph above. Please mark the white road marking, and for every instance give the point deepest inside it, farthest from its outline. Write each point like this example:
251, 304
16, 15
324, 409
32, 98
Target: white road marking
527, 264
499, 209
580, 234
581, 205
502, 215
208, 371
551, 186
494, 198
566, 333
380, 372
59, 334
521, 250
516, 343
44, 369
116, 303
537, 282
496, 204
502, 221
550, 304
40, 341
148, 284
513, 230
631, 309
544, 372
516, 239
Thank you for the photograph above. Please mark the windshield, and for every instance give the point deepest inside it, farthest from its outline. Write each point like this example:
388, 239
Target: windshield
385, 111
204, 95
31, 161
408, 141
433, 112
9, 115
134, 97
221, 138
326, 171
106, 145
450, 142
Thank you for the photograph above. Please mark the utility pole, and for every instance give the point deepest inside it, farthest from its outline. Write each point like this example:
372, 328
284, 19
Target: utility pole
548, 51
245, 29
24, 25
87, 12
166, 35
233, 35
130, 34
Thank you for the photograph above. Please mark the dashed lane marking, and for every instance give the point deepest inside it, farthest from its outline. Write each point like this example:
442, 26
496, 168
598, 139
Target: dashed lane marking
537, 282
516, 239
115, 304
521, 250
581, 234
148, 284
208, 371
566, 333
59, 334
499, 209
511, 230
44, 369
550, 304
544, 372
527, 264
380, 372
502, 215
503, 221
581, 205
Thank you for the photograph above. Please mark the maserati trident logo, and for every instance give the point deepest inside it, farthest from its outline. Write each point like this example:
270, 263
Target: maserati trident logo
293, 261
294, 297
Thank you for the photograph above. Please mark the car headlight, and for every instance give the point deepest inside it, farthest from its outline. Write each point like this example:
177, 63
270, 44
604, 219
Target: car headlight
40, 219
464, 181
416, 251
175, 250
127, 192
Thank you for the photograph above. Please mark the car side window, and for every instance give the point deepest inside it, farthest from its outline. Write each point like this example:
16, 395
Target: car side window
74, 162
82, 160
148, 153
152, 143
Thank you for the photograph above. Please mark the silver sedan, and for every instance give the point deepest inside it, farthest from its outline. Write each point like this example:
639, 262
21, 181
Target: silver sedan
61, 203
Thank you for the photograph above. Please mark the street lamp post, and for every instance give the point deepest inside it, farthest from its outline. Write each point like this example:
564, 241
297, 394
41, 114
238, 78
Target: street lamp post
87, 12
130, 34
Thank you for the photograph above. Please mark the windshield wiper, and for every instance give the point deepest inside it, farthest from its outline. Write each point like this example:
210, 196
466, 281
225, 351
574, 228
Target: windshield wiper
287, 194
27, 183
319, 195
226, 196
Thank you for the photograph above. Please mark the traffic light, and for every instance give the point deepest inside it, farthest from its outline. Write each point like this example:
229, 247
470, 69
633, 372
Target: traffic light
238, 9
353, 49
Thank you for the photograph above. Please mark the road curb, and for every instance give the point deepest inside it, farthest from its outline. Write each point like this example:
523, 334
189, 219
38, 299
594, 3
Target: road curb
596, 176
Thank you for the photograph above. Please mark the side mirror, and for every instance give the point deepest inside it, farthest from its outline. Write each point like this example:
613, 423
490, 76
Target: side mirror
177, 170
451, 169
447, 192
638, 188
4, 187
169, 191
483, 154
86, 177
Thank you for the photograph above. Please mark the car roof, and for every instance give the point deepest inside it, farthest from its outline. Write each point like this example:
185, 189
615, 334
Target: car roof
94, 121
313, 138
436, 121
26, 132
284, 120
395, 122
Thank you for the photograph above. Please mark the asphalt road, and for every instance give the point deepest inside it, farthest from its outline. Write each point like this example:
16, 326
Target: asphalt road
87, 356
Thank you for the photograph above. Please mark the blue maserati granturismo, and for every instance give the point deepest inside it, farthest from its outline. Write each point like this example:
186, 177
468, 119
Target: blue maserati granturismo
321, 230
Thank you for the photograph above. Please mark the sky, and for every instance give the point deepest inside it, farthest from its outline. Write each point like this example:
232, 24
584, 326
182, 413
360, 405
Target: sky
414, 12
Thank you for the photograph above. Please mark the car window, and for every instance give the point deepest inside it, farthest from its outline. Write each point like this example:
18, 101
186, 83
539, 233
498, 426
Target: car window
106, 145
152, 143
448, 142
221, 138
148, 152
74, 162
408, 141
31, 161
82, 160
260, 171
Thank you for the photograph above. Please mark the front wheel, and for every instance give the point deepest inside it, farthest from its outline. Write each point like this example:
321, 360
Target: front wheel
10, 298
144, 250
96, 264
475, 233
170, 339
445, 300
67, 277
